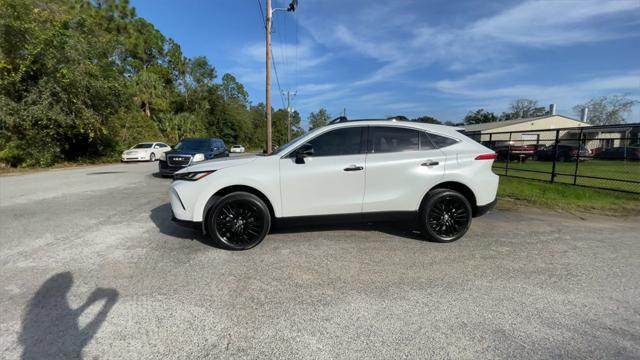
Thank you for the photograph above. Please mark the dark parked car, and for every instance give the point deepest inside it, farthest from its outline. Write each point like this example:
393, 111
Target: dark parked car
619, 153
189, 151
565, 153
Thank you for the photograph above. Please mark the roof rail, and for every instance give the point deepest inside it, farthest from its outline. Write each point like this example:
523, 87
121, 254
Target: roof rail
398, 118
339, 119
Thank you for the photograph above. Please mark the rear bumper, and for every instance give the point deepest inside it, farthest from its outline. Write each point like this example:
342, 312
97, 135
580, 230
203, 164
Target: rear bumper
483, 209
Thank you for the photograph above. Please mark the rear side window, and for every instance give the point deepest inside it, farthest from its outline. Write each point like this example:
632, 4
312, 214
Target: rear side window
425, 142
441, 141
345, 141
383, 139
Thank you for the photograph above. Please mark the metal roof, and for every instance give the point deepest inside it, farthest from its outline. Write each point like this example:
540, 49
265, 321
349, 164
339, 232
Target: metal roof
499, 124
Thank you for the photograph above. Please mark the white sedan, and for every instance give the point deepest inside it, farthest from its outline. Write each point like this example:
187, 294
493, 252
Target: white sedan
237, 149
145, 152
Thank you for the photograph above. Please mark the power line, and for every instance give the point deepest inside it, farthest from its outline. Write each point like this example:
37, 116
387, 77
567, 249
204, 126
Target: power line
261, 14
275, 70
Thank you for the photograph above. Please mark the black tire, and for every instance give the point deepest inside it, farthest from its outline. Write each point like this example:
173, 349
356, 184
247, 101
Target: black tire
445, 216
152, 157
562, 158
238, 221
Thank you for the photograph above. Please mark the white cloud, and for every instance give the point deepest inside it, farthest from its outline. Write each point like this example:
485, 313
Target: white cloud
402, 43
547, 23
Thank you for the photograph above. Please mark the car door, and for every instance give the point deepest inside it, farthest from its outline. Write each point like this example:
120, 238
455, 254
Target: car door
331, 181
402, 163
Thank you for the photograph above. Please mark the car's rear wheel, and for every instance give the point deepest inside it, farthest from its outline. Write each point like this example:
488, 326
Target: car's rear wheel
152, 157
238, 221
445, 215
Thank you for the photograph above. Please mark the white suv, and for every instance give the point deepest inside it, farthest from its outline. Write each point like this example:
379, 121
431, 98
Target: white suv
370, 169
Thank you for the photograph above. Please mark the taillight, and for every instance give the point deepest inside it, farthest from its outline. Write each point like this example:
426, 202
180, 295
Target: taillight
491, 156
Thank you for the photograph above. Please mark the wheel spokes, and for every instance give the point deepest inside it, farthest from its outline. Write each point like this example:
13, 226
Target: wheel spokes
239, 223
448, 217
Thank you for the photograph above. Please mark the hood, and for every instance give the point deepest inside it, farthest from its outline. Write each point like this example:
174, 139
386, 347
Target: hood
138, 150
185, 152
217, 164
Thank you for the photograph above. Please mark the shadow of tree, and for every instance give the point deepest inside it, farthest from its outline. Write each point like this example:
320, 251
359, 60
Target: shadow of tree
51, 328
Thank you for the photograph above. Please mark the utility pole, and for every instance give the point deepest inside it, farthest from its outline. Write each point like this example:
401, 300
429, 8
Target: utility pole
268, 87
292, 7
289, 110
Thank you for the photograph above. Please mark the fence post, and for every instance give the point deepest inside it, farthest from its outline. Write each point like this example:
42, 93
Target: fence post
555, 157
506, 168
575, 172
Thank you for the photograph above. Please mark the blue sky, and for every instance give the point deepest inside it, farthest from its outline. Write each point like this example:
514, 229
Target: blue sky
402, 57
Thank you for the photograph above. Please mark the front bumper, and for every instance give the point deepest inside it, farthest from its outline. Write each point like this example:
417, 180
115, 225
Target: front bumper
195, 225
134, 158
165, 169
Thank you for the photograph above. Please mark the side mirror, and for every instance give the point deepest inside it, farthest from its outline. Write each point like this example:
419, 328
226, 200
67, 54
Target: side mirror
303, 152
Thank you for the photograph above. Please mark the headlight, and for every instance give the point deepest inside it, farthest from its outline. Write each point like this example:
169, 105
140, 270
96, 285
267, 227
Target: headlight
163, 156
192, 176
198, 157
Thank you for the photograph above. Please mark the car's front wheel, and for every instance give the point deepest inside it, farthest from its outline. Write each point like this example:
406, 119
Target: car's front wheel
238, 221
445, 215
152, 157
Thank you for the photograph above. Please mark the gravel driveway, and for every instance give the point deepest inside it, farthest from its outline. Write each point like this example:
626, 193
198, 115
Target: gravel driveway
92, 267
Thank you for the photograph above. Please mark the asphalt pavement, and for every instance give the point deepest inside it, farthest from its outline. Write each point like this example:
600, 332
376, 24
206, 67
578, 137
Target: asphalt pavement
92, 267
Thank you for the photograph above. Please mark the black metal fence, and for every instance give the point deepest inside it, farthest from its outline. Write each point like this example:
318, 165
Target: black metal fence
604, 157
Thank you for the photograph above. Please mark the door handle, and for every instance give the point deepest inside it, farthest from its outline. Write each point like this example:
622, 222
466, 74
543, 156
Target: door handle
430, 163
353, 168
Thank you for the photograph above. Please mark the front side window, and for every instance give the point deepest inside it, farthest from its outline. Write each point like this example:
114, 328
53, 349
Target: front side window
385, 139
346, 141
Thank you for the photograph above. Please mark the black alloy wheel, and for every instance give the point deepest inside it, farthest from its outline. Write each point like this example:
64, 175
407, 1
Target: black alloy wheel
239, 221
445, 216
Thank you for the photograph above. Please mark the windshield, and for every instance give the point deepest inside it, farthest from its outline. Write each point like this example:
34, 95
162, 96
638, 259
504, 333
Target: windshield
284, 147
194, 144
142, 146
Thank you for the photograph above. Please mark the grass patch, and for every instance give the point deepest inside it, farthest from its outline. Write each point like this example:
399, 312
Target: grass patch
568, 197
613, 170
7, 170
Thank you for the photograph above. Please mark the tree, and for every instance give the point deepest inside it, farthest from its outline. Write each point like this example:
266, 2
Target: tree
607, 110
150, 91
87, 79
526, 108
427, 119
296, 124
234, 91
479, 116
318, 119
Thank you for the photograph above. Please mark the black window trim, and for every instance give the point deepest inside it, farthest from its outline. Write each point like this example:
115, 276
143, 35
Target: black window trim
421, 131
364, 132
364, 140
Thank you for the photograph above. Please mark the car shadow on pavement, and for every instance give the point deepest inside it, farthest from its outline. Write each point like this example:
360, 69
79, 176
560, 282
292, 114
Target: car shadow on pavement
51, 327
404, 229
161, 217
160, 176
